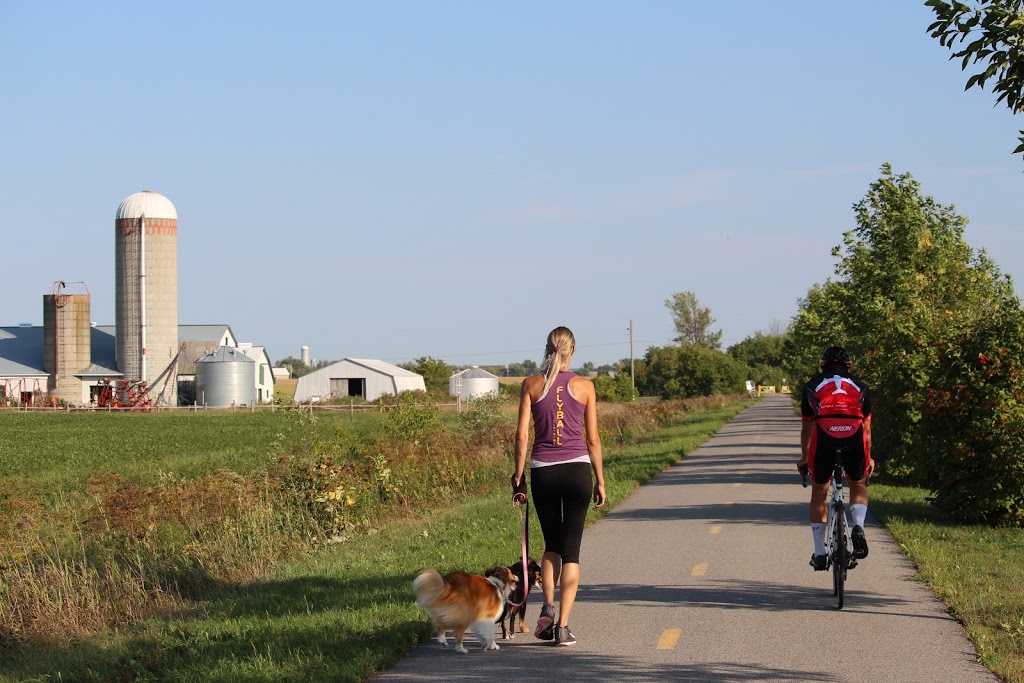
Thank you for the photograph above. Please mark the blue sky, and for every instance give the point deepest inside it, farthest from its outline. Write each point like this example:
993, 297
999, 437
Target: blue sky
400, 179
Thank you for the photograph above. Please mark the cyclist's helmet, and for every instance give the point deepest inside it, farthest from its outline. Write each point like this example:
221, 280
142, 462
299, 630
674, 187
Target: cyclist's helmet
836, 355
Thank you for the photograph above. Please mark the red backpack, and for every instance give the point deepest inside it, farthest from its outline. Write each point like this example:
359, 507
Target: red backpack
838, 405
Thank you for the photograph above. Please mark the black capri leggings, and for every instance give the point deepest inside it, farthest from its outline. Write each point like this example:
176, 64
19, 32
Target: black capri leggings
561, 495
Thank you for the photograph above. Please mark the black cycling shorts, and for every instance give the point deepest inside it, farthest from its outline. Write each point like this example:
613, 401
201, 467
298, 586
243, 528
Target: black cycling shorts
561, 496
822, 457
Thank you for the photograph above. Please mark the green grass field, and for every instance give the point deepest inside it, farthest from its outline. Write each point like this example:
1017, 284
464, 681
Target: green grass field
59, 450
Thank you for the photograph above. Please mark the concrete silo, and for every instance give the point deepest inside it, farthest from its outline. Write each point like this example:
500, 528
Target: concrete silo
146, 287
67, 341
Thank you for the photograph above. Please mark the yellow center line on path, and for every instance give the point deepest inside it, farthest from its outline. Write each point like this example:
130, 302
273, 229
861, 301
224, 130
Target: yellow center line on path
669, 638
728, 502
699, 569
715, 529
737, 485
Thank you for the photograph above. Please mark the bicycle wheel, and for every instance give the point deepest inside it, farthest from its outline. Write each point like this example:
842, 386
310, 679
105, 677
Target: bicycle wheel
839, 560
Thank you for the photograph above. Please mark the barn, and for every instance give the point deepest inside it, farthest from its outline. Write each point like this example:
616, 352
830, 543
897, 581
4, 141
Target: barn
358, 378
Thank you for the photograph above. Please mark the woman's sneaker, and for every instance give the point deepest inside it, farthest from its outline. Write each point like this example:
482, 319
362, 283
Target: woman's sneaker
545, 630
564, 637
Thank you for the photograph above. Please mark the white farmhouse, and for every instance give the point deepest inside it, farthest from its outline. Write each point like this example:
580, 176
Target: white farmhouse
264, 375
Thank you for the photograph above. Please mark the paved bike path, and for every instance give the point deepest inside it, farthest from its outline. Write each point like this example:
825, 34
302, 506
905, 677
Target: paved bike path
702, 575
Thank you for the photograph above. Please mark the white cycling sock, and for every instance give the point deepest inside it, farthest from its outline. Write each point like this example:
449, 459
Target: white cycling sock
818, 531
859, 511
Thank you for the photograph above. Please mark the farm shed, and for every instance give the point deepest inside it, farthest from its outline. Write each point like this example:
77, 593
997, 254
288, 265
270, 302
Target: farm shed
199, 340
22, 377
356, 377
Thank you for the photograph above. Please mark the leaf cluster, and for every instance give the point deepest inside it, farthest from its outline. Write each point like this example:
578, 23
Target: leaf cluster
990, 33
972, 422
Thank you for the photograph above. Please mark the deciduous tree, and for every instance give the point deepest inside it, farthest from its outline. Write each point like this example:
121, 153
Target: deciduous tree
905, 278
692, 322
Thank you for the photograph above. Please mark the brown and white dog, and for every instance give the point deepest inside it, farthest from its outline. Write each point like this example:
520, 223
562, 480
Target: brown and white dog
524, 585
462, 602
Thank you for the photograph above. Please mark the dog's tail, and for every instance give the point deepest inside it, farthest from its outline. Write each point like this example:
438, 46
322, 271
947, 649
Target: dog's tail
429, 587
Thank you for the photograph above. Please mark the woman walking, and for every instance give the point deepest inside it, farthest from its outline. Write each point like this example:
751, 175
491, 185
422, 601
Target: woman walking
566, 447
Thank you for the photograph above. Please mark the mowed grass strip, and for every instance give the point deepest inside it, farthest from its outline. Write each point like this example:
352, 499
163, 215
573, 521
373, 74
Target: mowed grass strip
975, 570
346, 611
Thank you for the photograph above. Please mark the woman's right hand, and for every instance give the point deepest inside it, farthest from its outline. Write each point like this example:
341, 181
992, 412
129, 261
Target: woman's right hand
599, 495
519, 488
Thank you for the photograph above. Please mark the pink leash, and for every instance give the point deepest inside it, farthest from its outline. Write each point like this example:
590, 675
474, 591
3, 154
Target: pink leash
520, 502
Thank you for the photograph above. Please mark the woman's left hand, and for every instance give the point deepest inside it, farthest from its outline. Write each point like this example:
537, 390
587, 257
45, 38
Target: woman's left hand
599, 496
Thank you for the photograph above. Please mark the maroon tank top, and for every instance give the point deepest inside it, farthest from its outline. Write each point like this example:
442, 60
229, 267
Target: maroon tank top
558, 424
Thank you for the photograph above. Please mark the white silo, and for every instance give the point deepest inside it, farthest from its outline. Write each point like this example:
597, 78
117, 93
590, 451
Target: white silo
304, 355
471, 383
146, 286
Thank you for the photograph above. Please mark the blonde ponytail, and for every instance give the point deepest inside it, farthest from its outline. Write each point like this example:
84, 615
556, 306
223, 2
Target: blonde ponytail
560, 346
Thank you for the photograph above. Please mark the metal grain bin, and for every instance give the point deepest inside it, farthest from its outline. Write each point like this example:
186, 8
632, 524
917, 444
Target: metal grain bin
471, 383
225, 377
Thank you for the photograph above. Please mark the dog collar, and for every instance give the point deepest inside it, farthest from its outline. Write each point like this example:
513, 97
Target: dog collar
497, 586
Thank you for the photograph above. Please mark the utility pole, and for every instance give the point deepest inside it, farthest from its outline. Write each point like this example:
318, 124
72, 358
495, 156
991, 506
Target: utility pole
632, 374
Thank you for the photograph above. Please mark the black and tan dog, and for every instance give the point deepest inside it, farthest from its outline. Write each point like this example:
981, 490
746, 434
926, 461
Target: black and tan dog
518, 597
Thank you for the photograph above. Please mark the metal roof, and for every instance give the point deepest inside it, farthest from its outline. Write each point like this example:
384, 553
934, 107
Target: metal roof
21, 349
225, 354
257, 353
21, 352
152, 204
381, 366
187, 333
474, 373
199, 333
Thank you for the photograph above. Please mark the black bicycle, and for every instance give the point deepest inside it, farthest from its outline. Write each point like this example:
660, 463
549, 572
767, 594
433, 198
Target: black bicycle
837, 532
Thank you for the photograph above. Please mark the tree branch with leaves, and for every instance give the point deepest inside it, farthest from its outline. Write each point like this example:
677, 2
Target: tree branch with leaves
989, 33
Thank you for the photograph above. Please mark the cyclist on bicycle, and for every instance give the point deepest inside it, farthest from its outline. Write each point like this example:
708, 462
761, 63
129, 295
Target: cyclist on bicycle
836, 413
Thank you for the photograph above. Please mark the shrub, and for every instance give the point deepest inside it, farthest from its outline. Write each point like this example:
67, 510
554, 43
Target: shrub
618, 388
972, 423
675, 372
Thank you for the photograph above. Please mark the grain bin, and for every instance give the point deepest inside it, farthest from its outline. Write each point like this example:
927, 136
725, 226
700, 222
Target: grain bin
471, 383
225, 377
146, 286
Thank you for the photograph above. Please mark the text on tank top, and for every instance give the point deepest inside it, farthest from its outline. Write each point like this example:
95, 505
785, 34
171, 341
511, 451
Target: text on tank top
558, 424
